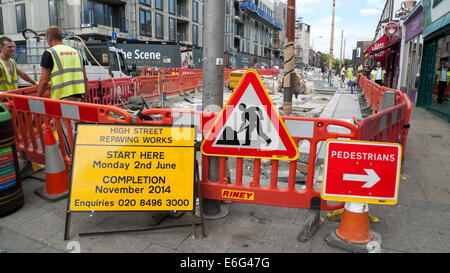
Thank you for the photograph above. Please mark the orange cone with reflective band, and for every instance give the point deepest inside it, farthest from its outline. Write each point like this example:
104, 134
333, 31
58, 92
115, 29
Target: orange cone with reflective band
56, 175
354, 232
354, 225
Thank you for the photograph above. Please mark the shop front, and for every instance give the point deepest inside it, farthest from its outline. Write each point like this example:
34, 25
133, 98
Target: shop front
436, 53
412, 53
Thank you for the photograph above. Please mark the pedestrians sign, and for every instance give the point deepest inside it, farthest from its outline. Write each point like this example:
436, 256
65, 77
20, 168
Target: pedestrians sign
361, 171
250, 126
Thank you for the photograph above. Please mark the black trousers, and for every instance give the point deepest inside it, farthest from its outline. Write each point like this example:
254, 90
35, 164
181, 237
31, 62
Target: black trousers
379, 82
441, 89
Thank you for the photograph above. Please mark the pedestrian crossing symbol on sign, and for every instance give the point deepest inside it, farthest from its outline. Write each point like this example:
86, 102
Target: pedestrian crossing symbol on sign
249, 125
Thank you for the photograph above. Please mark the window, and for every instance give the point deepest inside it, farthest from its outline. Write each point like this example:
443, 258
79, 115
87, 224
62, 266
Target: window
195, 11
145, 22
159, 4
100, 13
20, 17
159, 30
172, 29
172, 6
146, 2
1, 22
52, 12
194, 34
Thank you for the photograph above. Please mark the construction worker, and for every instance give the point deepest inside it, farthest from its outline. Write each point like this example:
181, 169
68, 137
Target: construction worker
442, 80
377, 74
350, 78
8, 67
343, 74
360, 68
63, 67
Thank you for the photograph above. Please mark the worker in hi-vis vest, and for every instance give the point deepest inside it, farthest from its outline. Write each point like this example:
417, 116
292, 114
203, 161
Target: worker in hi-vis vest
360, 68
343, 73
442, 80
63, 67
378, 74
350, 78
8, 67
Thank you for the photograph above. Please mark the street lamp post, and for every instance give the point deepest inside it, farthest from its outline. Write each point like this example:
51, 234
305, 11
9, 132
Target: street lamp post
330, 59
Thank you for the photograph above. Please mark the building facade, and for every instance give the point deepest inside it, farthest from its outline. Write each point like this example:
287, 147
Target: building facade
252, 34
301, 45
178, 21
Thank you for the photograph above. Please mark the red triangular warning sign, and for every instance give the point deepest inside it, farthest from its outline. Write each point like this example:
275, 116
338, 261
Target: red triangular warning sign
249, 125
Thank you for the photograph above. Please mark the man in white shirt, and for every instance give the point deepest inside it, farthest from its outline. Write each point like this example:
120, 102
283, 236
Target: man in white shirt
442, 78
378, 74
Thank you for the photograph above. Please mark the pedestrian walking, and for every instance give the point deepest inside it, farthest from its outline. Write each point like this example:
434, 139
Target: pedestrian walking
350, 78
442, 79
8, 67
378, 74
343, 74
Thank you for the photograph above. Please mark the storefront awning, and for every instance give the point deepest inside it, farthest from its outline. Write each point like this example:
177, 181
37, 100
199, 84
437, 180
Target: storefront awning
380, 43
391, 45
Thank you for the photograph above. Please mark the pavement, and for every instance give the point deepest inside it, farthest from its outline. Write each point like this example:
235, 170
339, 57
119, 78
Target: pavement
418, 223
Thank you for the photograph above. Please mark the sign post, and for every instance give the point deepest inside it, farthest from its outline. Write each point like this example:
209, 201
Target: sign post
132, 168
361, 171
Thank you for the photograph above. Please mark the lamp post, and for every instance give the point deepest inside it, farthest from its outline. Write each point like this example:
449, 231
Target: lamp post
319, 37
330, 59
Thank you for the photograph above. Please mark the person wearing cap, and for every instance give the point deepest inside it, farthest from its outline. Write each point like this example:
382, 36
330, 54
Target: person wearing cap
62, 67
8, 67
442, 80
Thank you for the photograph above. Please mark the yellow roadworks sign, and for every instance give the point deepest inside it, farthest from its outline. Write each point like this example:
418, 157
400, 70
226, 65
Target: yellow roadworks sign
132, 168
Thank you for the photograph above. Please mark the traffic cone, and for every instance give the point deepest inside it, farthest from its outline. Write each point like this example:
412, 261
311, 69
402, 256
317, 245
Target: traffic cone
354, 232
56, 175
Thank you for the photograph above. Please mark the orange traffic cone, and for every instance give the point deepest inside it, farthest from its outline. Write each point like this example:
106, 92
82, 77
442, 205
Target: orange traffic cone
56, 174
354, 232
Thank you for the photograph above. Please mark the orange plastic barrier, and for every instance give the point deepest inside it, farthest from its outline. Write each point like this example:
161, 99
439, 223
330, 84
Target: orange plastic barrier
31, 113
94, 94
253, 192
116, 92
390, 125
147, 86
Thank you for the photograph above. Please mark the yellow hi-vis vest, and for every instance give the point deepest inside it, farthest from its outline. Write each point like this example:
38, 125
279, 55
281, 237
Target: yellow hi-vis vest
360, 68
6, 83
439, 76
67, 76
375, 72
350, 74
343, 72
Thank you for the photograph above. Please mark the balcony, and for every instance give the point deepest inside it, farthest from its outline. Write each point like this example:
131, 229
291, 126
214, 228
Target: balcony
250, 9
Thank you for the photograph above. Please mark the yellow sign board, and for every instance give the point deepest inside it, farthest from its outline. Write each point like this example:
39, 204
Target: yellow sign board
132, 168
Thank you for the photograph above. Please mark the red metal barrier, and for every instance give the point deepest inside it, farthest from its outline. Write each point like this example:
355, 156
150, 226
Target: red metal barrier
31, 113
317, 132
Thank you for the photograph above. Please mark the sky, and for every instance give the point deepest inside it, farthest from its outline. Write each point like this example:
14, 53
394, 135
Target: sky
358, 19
